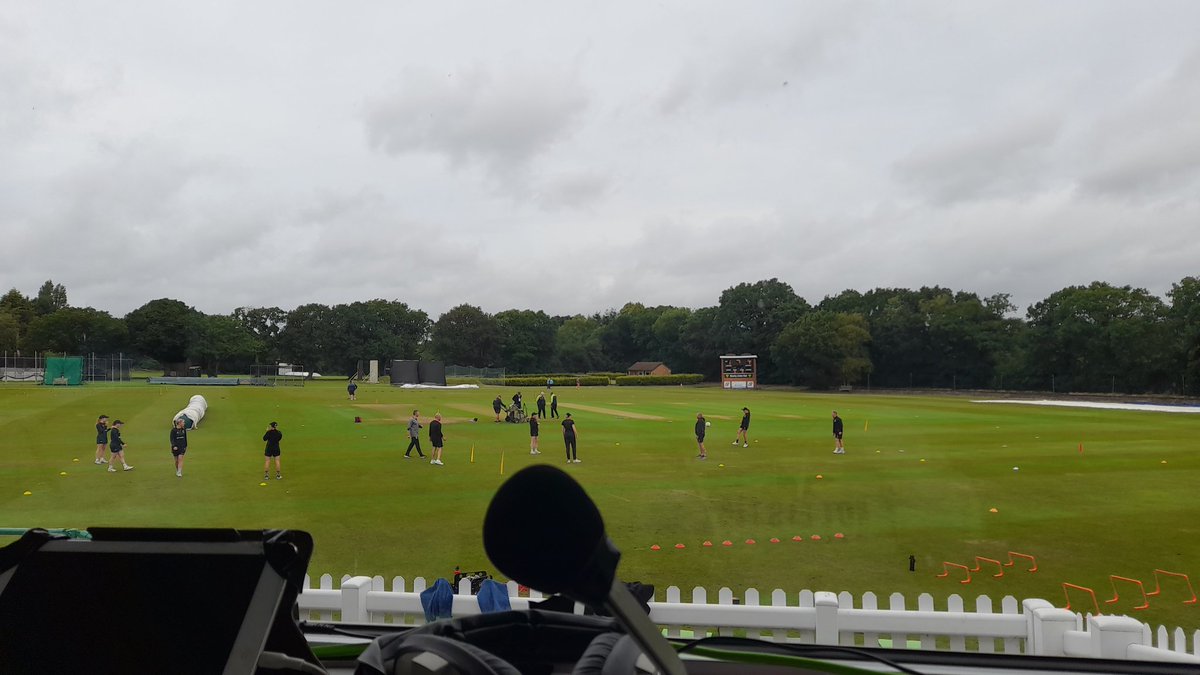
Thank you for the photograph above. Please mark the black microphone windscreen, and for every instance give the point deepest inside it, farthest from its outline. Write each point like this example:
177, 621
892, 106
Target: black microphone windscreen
542, 530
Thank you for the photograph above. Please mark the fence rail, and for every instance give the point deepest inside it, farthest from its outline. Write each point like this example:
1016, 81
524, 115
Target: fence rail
1031, 626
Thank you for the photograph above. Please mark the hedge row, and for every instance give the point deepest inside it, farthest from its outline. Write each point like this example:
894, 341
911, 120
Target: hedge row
586, 381
652, 380
563, 377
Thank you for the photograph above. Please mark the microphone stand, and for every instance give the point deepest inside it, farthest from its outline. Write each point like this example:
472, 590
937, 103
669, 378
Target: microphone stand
621, 603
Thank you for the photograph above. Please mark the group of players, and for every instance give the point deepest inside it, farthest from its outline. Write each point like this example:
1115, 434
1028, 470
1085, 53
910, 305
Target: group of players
110, 446
743, 428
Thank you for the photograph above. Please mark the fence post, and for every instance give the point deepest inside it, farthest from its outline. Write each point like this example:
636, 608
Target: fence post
826, 604
354, 598
1047, 628
1112, 636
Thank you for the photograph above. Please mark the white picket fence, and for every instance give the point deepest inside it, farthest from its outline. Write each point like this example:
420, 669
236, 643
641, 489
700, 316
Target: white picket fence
1031, 626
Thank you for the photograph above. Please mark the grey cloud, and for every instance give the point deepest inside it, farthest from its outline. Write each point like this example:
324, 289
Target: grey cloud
1149, 145
500, 117
1009, 159
726, 68
571, 190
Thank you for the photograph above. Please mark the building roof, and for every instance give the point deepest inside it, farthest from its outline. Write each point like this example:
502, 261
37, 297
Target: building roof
646, 365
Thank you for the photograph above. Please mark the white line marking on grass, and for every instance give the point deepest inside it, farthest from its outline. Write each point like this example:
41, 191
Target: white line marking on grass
1144, 407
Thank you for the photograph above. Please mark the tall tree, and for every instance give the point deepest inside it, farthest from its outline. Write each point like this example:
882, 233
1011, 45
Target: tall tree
527, 340
750, 316
50, 298
306, 337
265, 323
577, 344
161, 329
1101, 337
466, 336
219, 340
76, 330
823, 349
1185, 324
19, 307
10, 331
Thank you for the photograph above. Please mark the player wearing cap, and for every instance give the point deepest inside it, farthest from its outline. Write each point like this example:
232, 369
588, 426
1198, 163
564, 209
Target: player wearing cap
745, 426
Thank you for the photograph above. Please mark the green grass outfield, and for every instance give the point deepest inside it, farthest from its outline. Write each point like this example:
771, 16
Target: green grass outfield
1114, 509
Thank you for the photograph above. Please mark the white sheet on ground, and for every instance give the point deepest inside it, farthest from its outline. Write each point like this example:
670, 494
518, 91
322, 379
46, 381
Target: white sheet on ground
1103, 405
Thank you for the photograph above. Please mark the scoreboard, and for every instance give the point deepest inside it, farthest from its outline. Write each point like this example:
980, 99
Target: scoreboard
739, 371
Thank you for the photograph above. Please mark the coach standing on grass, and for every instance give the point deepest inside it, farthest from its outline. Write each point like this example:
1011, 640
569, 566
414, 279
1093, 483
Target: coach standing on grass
414, 436
570, 438
178, 445
837, 434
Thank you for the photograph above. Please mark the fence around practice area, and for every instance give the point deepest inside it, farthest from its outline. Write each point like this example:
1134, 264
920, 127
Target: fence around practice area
1031, 626
96, 368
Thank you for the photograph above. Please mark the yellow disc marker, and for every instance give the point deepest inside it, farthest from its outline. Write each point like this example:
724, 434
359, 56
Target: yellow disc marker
262, 485
27, 493
62, 473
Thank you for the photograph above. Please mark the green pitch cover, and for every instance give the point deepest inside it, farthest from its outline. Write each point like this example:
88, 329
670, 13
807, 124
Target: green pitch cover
67, 369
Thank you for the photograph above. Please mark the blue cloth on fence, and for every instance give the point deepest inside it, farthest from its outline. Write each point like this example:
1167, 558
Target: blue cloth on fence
437, 600
493, 597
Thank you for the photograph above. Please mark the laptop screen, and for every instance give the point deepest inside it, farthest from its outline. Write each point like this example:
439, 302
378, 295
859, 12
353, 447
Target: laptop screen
105, 606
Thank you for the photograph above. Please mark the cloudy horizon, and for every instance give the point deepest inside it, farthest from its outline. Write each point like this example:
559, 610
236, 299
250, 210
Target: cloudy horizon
573, 157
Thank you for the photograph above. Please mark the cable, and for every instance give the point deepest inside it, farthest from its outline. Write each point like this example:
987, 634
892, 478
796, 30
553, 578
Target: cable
700, 645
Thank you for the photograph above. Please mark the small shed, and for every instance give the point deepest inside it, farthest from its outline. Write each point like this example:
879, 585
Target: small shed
655, 368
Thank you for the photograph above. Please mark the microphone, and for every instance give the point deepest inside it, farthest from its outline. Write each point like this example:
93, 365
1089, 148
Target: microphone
564, 549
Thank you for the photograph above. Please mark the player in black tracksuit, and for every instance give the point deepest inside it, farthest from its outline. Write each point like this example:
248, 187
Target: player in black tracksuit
569, 439
553, 404
837, 434
701, 427
541, 404
179, 445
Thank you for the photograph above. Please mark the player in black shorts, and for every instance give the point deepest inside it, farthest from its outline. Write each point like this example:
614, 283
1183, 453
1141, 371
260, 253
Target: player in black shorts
533, 435
352, 389
701, 428
837, 435
436, 439
745, 426
178, 445
272, 437
101, 439
117, 446
569, 439
497, 406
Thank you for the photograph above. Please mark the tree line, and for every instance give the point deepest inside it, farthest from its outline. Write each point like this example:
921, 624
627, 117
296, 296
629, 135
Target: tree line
1094, 338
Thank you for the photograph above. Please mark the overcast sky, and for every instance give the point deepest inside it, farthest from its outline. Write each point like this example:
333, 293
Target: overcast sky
572, 156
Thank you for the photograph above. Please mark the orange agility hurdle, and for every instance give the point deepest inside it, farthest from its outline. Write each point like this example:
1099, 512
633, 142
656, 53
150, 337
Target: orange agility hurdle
979, 568
946, 571
1158, 584
1113, 579
1090, 592
1013, 554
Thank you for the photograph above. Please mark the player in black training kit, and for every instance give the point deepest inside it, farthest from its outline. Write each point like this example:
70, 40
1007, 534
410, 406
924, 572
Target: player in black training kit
497, 406
118, 447
436, 439
553, 405
570, 439
837, 434
701, 427
272, 437
541, 404
178, 445
101, 439
533, 435
741, 435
